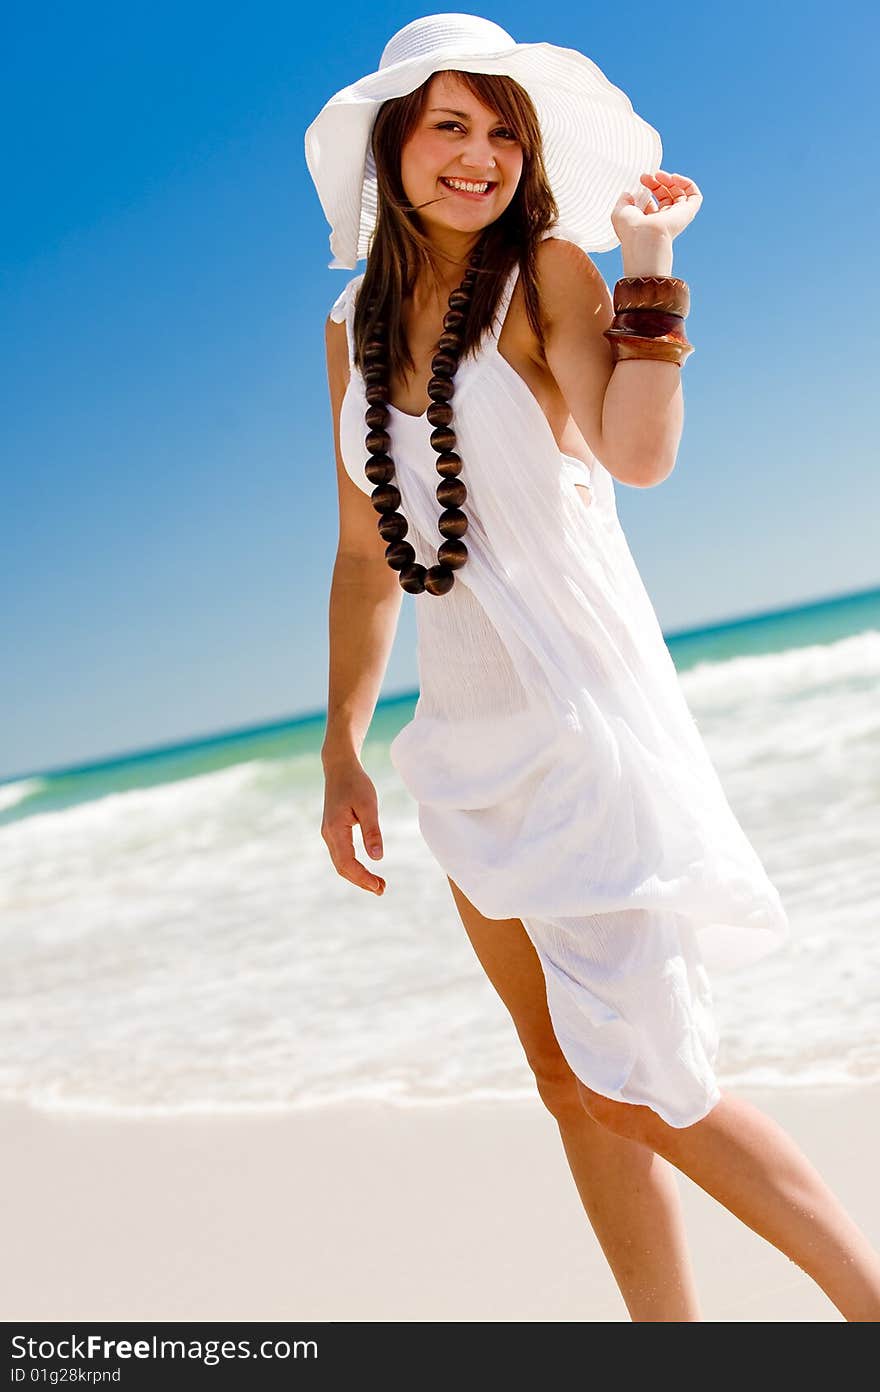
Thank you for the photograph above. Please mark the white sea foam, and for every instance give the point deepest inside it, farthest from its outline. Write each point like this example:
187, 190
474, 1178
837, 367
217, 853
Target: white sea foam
11, 794
188, 947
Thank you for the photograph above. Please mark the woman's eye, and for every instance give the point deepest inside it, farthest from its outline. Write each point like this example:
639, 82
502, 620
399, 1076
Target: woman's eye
449, 125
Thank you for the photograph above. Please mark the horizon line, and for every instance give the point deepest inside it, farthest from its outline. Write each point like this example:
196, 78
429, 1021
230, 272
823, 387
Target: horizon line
179, 744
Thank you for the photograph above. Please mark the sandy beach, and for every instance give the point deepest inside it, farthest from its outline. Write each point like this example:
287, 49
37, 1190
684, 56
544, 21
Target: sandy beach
370, 1213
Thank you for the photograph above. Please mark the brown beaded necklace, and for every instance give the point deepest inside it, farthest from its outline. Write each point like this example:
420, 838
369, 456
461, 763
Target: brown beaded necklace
451, 492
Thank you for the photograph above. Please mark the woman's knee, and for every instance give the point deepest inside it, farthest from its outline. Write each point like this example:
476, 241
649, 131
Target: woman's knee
557, 1085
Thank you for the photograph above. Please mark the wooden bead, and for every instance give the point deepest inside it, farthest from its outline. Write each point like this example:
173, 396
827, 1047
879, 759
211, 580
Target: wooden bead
412, 578
443, 438
444, 364
451, 493
379, 469
449, 342
439, 579
452, 523
449, 464
377, 441
439, 413
393, 526
441, 388
386, 498
400, 554
453, 553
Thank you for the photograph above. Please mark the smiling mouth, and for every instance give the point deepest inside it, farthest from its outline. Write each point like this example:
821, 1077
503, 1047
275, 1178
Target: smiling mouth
471, 193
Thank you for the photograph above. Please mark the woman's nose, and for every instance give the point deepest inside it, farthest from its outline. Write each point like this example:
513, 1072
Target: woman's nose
478, 154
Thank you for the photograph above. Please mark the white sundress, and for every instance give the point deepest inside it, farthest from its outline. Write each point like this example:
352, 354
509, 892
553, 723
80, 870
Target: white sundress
559, 774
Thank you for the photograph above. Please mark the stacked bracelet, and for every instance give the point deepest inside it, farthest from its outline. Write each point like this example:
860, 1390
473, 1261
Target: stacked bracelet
649, 315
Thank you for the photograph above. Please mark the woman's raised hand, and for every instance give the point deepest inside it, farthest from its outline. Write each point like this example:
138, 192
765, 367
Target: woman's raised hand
349, 800
678, 202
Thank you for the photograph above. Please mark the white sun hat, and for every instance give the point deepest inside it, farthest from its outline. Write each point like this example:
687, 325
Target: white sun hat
595, 146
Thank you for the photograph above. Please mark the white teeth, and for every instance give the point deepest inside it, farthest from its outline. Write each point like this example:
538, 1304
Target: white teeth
468, 187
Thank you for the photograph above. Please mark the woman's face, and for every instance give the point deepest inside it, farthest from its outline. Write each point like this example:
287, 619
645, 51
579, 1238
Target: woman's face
457, 138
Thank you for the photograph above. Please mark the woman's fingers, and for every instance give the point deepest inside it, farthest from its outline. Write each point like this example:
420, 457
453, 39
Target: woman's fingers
337, 833
662, 175
672, 186
669, 200
372, 837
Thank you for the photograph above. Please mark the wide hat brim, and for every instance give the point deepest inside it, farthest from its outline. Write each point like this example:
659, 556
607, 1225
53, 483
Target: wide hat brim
595, 145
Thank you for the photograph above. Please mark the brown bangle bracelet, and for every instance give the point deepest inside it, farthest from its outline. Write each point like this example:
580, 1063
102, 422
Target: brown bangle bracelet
649, 319
628, 346
666, 293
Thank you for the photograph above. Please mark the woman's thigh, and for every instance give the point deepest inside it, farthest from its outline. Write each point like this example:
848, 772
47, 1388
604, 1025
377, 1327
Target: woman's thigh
511, 963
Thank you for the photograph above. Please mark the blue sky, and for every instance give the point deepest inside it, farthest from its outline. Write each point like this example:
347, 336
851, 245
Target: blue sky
169, 496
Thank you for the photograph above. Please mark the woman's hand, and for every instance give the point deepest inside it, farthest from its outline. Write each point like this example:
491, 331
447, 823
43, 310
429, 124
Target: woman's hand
350, 799
678, 202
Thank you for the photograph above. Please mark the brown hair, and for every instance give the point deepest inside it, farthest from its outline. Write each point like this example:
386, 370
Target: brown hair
398, 246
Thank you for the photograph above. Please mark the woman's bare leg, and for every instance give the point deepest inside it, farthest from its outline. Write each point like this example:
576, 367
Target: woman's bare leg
746, 1161
630, 1193
633, 1204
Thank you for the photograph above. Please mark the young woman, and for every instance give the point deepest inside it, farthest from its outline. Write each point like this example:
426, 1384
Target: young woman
485, 393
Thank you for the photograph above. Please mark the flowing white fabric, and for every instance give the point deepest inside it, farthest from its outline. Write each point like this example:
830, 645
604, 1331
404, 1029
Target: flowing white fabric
559, 774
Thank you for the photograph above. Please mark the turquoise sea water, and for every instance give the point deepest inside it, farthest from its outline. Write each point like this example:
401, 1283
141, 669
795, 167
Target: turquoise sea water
775, 631
178, 939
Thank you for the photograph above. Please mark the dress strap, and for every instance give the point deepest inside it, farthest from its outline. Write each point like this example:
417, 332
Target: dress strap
504, 304
343, 308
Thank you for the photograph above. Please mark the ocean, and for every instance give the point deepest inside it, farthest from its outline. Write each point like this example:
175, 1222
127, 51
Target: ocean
175, 939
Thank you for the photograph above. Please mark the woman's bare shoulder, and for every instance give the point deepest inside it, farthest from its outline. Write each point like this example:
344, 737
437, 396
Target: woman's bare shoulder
566, 278
565, 272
